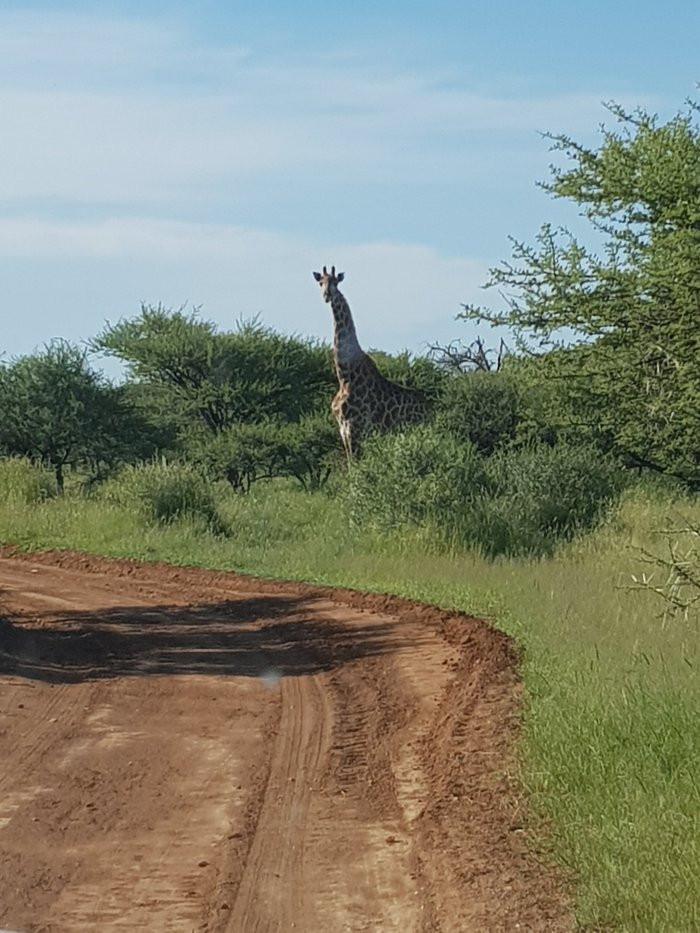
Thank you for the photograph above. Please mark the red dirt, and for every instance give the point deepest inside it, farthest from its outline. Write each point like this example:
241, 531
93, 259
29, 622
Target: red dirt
186, 750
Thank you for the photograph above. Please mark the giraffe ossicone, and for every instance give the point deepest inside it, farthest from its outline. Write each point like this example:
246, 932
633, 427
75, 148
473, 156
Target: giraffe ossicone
366, 401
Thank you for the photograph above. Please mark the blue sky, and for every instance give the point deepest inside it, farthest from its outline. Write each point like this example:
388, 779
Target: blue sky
214, 153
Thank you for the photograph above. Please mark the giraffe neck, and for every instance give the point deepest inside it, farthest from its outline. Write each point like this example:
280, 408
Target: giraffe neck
346, 347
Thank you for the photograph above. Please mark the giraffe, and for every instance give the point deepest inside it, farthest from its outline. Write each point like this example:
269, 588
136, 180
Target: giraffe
366, 401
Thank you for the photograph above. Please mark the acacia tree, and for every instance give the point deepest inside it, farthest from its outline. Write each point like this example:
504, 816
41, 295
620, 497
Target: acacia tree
615, 326
220, 379
248, 404
55, 409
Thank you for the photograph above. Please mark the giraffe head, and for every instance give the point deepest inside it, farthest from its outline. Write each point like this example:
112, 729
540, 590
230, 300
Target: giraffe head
329, 282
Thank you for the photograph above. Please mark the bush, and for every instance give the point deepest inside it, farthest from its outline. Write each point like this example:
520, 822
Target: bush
246, 453
542, 495
241, 454
500, 409
481, 409
314, 450
416, 477
515, 502
417, 372
22, 481
166, 492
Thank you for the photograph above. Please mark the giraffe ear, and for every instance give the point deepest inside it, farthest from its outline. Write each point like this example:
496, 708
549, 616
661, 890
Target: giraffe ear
317, 276
341, 276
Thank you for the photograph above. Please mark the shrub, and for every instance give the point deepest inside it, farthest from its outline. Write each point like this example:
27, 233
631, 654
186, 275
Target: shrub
25, 482
241, 454
500, 409
246, 453
166, 492
314, 449
481, 409
515, 502
542, 495
416, 477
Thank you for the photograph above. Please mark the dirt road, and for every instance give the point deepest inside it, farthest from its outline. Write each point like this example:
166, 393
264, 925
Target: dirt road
184, 750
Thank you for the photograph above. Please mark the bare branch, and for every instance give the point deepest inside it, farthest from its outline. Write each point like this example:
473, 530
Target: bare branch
457, 357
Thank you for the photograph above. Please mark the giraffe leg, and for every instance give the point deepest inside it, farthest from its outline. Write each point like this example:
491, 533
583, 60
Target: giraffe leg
346, 438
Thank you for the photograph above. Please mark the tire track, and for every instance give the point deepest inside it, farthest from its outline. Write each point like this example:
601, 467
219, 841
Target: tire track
271, 893
333, 847
186, 750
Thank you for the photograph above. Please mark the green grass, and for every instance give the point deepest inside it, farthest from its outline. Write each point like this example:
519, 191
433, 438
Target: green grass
22, 482
610, 752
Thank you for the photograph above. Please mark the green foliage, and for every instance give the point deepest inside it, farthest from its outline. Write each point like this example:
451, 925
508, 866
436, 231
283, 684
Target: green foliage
24, 482
480, 408
165, 492
508, 407
616, 327
219, 380
540, 496
152, 407
418, 477
417, 372
241, 454
58, 411
314, 449
518, 501
245, 453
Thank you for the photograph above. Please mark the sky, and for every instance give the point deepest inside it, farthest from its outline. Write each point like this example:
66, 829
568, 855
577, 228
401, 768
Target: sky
212, 154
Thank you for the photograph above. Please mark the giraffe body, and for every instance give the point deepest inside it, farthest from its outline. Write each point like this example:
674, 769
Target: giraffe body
366, 401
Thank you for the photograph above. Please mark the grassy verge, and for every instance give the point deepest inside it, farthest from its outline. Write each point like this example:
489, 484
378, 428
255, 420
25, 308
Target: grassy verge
611, 737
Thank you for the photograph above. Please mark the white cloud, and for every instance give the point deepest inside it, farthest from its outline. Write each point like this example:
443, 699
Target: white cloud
105, 109
402, 295
152, 134
63, 48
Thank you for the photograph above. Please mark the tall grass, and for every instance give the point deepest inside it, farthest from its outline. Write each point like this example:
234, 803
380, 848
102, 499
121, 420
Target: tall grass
23, 482
610, 752
165, 492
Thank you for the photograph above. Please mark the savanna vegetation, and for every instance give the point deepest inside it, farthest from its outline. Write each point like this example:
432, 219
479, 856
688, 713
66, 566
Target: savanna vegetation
553, 489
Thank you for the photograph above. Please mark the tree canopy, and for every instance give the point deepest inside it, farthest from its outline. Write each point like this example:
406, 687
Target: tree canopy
55, 409
221, 379
613, 322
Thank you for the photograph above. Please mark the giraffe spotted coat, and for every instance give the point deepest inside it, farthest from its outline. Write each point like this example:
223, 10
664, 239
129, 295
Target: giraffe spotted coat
366, 401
